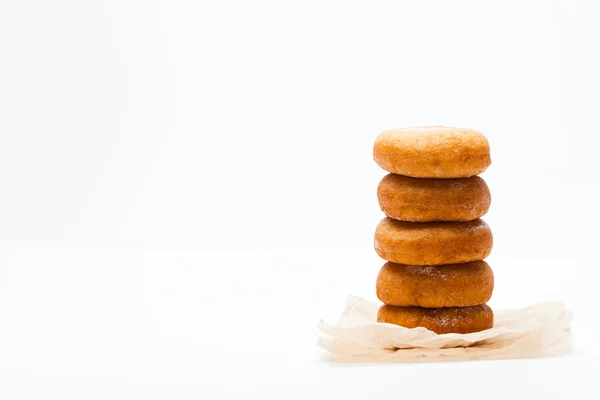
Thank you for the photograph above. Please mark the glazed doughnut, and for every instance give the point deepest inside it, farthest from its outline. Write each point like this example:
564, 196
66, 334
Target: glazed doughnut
425, 200
433, 286
432, 243
439, 320
432, 152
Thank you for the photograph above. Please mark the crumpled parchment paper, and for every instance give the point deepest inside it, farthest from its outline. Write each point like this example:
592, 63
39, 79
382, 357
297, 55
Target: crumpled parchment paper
536, 331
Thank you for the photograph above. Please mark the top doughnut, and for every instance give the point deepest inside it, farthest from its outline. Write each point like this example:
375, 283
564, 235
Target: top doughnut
432, 152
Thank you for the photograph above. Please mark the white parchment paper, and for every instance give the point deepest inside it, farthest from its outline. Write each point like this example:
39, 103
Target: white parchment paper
536, 331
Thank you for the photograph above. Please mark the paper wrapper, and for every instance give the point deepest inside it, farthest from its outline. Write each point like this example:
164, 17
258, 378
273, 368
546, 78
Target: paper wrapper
536, 331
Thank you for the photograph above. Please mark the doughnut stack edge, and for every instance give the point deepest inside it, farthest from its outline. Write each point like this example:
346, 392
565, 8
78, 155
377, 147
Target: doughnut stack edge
433, 239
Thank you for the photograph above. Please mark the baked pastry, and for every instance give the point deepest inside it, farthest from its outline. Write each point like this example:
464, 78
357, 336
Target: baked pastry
432, 286
432, 152
439, 320
425, 200
432, 243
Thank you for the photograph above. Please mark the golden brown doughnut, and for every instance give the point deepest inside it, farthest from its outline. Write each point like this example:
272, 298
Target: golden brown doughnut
439, 320
424, 200
432, 152
432, 243
433, 286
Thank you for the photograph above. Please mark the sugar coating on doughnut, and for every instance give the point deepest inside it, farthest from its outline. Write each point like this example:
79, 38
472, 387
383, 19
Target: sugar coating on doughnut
431, 199
432, 243
432, 286
432, 152
439, 320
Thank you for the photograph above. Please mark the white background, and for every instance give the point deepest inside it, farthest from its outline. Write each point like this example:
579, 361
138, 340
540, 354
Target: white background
187, 187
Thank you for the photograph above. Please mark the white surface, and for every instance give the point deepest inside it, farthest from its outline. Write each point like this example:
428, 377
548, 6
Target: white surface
178, 176
125, 323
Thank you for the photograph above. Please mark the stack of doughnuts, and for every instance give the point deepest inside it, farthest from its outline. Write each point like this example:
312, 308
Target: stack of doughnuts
432, 238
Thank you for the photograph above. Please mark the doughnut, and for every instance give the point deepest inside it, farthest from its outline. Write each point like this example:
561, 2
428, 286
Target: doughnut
439, 320
425, 200
433, 286
432, 243
432, 152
